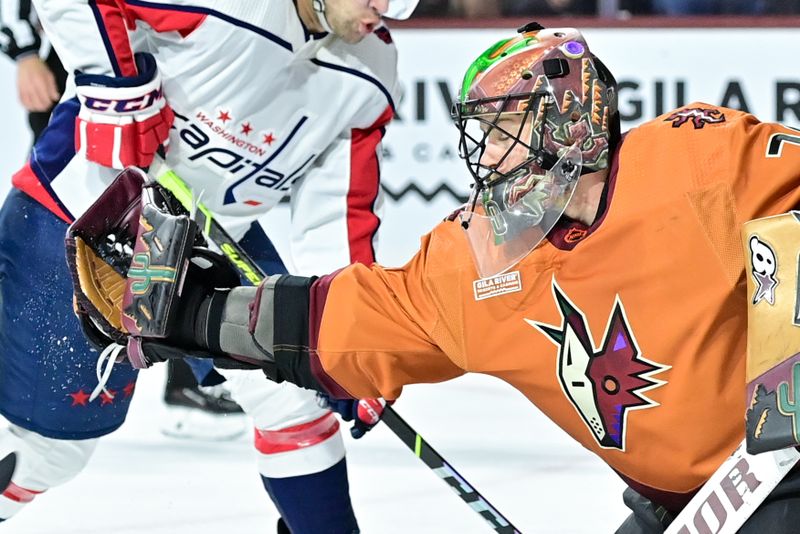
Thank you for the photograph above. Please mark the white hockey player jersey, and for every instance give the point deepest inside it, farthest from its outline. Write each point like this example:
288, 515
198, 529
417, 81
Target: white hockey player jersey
262, 108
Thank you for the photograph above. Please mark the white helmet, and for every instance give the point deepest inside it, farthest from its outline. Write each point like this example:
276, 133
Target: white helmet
398, 10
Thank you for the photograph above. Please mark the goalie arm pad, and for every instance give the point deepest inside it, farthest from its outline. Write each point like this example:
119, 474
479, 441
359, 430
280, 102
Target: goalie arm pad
271, 324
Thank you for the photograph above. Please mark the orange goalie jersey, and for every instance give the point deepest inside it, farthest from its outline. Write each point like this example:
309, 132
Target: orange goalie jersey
629, 334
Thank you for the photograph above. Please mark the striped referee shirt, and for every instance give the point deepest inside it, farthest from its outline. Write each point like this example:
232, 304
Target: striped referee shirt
19, 29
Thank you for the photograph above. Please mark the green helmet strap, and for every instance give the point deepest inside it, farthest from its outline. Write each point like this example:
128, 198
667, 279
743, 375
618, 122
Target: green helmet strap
492, 55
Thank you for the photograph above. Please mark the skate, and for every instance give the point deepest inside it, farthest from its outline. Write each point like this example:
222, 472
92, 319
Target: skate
207, 413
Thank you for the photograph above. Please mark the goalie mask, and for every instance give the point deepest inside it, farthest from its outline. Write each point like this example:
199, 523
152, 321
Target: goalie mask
534, 113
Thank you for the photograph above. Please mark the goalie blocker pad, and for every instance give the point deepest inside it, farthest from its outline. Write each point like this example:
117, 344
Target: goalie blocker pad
771, 247
98, 246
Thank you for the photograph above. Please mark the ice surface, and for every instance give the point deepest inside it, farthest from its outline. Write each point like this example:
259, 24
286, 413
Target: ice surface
141, 481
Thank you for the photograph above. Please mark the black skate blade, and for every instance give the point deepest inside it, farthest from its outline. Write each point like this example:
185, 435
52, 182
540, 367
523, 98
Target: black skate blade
7, 466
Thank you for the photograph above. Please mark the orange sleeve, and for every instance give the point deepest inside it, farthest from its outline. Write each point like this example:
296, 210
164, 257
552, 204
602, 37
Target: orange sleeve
765, 167
375, 334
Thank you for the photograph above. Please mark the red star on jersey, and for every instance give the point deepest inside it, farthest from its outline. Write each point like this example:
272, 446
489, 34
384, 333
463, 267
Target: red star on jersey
246, 128
128, 390
80, 398
107, 398
268, 138
223, 116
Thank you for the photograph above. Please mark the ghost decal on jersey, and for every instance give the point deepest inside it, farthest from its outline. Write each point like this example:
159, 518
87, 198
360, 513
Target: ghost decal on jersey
603, 385
765, 265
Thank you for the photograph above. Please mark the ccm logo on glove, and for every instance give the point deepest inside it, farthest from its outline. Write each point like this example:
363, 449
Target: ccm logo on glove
370, 410
138, 103
122, 121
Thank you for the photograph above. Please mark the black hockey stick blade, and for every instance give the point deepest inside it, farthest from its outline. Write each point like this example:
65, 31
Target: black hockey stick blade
446, 472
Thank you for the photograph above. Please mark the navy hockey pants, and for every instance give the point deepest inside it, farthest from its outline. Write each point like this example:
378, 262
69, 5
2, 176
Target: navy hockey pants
47, 369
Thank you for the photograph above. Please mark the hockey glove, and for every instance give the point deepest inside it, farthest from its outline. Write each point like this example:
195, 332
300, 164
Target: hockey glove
99, 247
122, 121
170, 283
140, 273
365, 413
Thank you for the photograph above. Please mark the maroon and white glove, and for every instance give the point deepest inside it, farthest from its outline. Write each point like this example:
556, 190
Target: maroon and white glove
122, 120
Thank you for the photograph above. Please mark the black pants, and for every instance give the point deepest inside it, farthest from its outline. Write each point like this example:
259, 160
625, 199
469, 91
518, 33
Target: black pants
778, 514
38, 119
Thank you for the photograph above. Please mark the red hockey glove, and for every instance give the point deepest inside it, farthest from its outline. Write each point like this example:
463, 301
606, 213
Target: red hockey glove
365, 413
123, 120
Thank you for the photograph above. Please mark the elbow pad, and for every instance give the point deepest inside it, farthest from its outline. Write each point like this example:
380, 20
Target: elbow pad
269, 324
243, 325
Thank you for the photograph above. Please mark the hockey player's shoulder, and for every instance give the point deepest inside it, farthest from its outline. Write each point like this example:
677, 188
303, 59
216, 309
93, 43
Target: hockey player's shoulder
699, 116
374, 58
697, 128
446, 247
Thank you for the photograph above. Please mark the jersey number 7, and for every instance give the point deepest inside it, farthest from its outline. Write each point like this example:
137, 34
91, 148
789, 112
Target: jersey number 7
776, 142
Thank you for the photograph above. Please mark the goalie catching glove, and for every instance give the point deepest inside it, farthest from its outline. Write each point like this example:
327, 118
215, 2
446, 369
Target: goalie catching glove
144, 282
140, 272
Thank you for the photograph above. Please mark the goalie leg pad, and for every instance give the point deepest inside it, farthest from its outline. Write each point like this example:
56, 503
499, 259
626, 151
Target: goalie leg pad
773, 337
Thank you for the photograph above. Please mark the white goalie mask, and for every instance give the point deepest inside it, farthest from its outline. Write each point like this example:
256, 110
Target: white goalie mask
398, 10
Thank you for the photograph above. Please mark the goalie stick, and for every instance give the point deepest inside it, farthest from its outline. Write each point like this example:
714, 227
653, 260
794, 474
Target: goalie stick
446, 472
253, 273
734, 491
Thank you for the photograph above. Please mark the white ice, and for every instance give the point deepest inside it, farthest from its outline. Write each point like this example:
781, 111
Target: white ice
141, 481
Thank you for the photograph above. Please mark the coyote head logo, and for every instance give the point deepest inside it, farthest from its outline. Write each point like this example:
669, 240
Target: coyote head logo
603, 385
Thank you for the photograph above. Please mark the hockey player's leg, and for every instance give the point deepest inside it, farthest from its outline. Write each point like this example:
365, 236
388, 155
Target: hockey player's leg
8, 464
198, 402
40, 464
319, 502
47, 369
300, 454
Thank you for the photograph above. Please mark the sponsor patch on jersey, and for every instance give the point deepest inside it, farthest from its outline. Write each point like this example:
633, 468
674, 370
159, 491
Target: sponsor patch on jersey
764, 265
494, 286
699, 117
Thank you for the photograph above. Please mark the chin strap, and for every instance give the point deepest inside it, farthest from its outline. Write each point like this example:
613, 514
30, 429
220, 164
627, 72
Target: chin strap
319, 9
